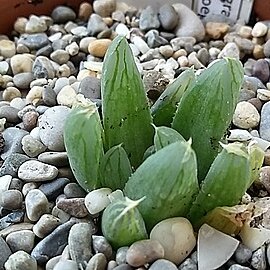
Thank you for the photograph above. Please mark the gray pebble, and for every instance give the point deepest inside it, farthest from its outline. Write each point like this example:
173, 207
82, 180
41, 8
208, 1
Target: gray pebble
74, 207
188, 264
261, 70
111, 265
59, 44
154, 40
48, 96
36, 204
21, 240
45, 225
73, 190
23, 80
80, 31
245, 95
12, 163
60, 56
34, 41
180, 42
21, 260
63, 14
121, 254
90, 87
168, 17
11, 199
97, 262
16, 184
266, 48
163, 264
101, 245
31, 146
191, 25
10, 113
238, 267
36, 171
79, 243
53, 244
203, 56
264, 128
148, 19
242, 254
45, 51
104, 8
5, 252
54, 188
245, 45
43, 68
51, 125
66, 264
96, 25
258, 260
13, 137
11, 219
58, 159
123, 266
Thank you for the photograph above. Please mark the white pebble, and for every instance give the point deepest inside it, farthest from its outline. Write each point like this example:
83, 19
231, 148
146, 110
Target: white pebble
66, 96
140, 44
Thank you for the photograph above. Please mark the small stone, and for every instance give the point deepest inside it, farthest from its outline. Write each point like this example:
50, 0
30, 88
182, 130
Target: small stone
148, 19
230, 50
23, 80
121, 255
20, 260
34, 41
21, 240
216, 30
263, 94
179, 229
21, 63
48, 96
265, 122
85, 10
258, 51
44, 51
36, 204
97, 200
10, 114
183, 61
119, 16
45, 225
264, 178
35, 24
65, 264
191, 25
261, 70
239, 135
246, 115
245, 45
29, 122
11, 199
97, 262
73, 49
101, 245
5, 252
143, 252
166, 51
53, 244
63, 71
179, 42
60, 56
123, 266
51, 125
11, 93
258, 260
31, 146
73, 190
13, 137
266, 48
54, 158
37, 171
74, 207
43, 68
4, 67
122, 30
96, 24
66, 96
63, 14
267, 157
168, 17
104, 8
54, 188
242, 254
163, 264
238, 267
259, 30
90, 87
79, 243
154, 40
7, 48
245, 31
99, 47
188, 264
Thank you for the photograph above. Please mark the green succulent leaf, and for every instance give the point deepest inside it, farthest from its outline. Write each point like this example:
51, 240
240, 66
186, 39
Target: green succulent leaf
126, 114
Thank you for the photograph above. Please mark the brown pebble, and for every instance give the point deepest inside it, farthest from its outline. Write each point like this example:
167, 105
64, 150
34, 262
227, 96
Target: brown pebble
30, 120
99, 47
85, 10
143, 252
258, 52
264, 178
75, 207
256, 102
215, 30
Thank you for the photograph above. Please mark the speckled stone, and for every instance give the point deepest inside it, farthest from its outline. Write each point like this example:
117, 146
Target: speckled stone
74, 207
21, 240
21, 260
